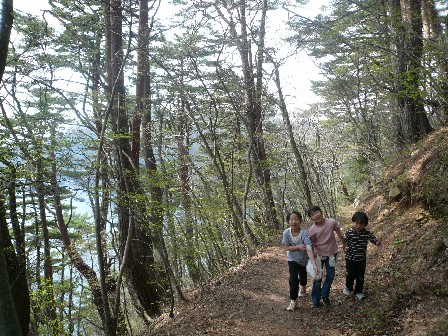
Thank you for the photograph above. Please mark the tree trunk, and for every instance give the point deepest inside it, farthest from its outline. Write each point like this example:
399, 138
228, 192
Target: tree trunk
184, 180
412, 121
107, 318
253, 110
13, 321
48, 285
139, 269
6, 19
14, 296
16, 263
435, 43
292, 141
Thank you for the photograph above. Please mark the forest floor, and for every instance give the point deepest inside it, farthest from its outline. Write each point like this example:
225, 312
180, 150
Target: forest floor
252, 299
406, 288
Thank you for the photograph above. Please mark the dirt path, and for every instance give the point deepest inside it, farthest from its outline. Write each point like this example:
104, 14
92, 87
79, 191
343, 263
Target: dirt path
252, 299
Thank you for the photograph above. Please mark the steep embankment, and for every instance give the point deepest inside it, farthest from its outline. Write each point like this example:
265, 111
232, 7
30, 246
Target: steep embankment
406, 287
410, 211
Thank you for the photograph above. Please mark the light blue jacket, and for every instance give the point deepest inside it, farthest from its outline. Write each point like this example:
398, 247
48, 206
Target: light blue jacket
300, 257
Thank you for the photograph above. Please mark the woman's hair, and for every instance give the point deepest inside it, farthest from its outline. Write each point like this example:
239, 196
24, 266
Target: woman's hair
288, 216
311, 209
360, 217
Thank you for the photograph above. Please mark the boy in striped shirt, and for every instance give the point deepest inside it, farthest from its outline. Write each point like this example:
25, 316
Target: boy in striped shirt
357, 238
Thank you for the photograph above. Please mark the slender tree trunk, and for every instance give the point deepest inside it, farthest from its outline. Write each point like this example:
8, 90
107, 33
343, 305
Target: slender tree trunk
48, 284
231, 200
295, 149
184, 180
253, 92
71, 326
107, 319
241, 228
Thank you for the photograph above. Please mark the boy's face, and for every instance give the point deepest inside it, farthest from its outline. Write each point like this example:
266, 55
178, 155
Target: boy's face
359, 227
317, 217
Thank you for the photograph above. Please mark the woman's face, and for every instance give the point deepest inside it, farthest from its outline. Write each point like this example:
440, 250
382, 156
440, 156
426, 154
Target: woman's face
294, 221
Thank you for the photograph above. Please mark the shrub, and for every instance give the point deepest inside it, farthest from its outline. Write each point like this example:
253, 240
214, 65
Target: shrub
435, 185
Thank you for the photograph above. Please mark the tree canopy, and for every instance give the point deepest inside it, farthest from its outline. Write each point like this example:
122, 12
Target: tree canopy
145, 151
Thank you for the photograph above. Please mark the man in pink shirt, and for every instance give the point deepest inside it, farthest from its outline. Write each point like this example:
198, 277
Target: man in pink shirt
324, 244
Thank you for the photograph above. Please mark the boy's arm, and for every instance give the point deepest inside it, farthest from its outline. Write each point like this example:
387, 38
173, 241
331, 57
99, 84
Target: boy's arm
346, 238
374, 240
310, 253
340, 235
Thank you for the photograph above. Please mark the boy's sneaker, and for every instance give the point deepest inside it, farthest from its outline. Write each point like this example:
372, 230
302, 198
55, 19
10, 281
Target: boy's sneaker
359, 296
326, 302
346, 291
302, 291
292, 305
315, 305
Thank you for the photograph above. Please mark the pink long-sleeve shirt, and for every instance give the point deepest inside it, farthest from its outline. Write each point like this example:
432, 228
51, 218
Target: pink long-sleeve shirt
322, 237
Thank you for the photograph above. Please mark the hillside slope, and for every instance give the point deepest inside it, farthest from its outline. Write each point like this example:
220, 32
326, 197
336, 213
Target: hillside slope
410, 211
406, 287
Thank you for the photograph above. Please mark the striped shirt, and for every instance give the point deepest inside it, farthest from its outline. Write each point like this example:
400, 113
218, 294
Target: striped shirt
357, 244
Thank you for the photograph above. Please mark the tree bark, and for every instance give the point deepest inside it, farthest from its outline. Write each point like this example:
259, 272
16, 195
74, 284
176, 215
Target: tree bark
412, 121
253, 88
6, 16
14, 295
140, 271
435, 41
48, 285
185, 190
292, 141
17, 263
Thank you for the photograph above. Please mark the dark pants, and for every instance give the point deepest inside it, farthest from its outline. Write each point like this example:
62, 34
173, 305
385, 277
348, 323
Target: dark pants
297, 274
355, 271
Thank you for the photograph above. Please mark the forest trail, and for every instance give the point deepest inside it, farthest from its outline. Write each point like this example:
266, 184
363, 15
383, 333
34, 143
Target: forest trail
252, 299
406, 288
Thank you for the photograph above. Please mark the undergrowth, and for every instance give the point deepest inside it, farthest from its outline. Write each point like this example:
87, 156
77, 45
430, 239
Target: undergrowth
434, 183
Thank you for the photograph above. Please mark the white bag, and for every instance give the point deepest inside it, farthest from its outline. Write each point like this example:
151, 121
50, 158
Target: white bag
332, 261
310, 268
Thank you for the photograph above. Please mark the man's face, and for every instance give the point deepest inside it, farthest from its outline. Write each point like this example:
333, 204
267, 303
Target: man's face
359, 227
317, 217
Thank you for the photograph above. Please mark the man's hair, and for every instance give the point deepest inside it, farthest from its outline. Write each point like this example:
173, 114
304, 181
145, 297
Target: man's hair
360, 217
294, 212
311, 209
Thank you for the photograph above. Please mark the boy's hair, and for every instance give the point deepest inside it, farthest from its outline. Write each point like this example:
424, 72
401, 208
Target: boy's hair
360, 217
288, 216
311, 209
